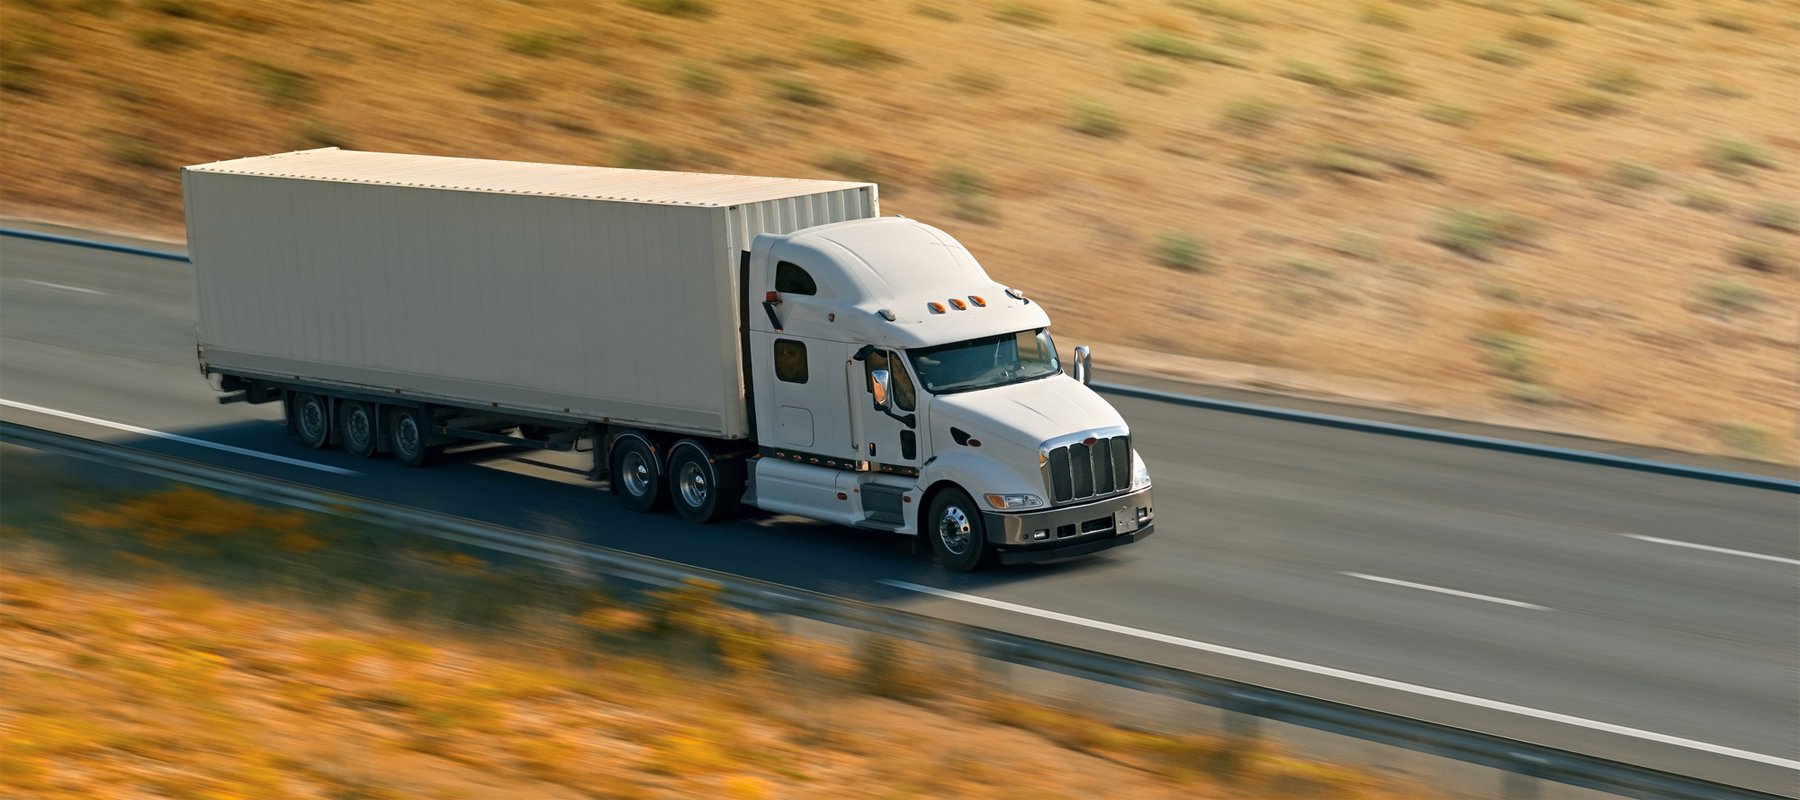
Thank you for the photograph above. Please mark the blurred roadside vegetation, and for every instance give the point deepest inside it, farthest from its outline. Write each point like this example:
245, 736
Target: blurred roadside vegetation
1152, 171
174, 642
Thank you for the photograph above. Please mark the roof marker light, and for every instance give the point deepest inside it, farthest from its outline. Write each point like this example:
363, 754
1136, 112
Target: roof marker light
978, 301
1015, 294
886, 314
958, 304
936, 308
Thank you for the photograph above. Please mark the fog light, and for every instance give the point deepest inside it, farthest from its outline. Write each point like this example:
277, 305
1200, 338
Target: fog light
1043, 534
1143, 514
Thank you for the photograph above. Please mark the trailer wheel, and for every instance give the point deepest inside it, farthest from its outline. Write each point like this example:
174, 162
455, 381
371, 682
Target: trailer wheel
634, 475
703, 490
956, 531
408, 429
357, 428
312, 420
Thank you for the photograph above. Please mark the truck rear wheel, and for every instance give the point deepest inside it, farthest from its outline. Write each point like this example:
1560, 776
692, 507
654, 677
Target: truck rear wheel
957, 534
408, 431
357, 428
702, 489
312, 420
634, 476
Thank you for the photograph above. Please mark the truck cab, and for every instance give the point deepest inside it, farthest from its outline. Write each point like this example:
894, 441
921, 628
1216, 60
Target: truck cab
896, 387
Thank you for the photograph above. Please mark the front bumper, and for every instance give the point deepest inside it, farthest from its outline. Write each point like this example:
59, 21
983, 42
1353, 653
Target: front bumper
1073, 530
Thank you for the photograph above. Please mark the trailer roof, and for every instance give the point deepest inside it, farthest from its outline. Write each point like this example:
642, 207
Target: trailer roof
520, 177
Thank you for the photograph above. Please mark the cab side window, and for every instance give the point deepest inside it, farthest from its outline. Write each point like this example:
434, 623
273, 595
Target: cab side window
790, 360
904, 397
791, 279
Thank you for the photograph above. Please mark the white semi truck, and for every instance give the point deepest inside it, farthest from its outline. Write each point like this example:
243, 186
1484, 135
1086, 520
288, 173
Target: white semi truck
714, 340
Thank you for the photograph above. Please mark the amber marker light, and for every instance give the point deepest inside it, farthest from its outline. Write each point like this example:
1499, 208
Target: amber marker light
936, 308
957, 304
773, 297
978, 301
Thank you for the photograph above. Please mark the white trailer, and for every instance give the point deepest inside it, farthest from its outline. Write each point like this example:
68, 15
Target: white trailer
714, 339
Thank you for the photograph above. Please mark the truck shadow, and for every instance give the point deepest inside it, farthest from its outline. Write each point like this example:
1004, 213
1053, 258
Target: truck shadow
548, 494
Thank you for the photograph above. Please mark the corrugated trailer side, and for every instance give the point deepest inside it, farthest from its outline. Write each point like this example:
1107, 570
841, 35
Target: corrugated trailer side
579, 307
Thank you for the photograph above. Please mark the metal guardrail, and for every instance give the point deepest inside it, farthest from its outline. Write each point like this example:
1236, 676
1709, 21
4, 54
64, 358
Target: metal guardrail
117, 248
1509, 755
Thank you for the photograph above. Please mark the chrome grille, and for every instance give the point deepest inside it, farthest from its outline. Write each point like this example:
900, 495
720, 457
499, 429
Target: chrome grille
1081, 471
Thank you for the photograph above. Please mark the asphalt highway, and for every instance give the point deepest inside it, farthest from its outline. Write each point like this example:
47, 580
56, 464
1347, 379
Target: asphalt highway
1644, 617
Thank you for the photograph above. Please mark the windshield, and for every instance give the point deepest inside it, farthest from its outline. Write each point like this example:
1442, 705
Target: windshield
986, 362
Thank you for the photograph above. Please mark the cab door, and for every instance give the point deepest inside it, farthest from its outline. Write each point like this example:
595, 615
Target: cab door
889, 440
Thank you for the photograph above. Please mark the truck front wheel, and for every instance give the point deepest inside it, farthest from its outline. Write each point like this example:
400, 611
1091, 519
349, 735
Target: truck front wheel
956, 531
634, 475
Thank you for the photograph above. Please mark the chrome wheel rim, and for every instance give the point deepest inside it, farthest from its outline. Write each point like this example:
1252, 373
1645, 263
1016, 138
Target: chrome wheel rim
358, 428
953, 530
312, 419
637, 475
406, 436
692, 482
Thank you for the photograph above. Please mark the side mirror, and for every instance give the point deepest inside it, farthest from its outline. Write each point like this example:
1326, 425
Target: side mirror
1084, 364
884, 388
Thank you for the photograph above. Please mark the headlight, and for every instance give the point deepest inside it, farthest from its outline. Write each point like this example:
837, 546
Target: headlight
1140, 474
1012, 501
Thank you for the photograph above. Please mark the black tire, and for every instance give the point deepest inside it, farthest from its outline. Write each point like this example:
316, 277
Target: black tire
312, 420
357, 428
701, 489
409, 429
958, 537
634, 476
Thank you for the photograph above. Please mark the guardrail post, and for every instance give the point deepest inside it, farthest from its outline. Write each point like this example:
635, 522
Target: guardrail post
1520, 781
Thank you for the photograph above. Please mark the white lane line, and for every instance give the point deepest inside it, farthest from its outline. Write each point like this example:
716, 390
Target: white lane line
62, 287
1710, 549
174, 438
1371, 680
1442, 590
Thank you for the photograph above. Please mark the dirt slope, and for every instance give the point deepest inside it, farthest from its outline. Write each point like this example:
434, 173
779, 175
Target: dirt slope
1580, 213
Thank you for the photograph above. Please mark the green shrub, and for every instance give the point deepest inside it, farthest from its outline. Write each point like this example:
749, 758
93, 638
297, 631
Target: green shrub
1632, 175
1746, 438
1736, 157
136, 152
1536, 38
1729, 296
1377, 79
319, 134
1359, 245
162, 40
1151, 77
1343, 159
1477, 234
1701, 199
1163, 43
1384, 17
1568, 12
934, 12
1780, 216
700, 78
1511, 354
1249, 116
1094, 119
798, 92
852, 166
634, 154
1023, 14
1618, 80
969, 193
850, 52
1758, 254
1313, 75
629, 93
676, 8
1180, 251
501, 87
1589, 104
1728, 21
537, 44
1443, 114
1497, 53
1237, 39
283, 86
1220, 11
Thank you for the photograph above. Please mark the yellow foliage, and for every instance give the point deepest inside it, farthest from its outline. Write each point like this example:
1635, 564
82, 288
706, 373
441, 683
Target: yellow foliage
115, 621
191, 605
30, 592
744, 639
543, 755
49, 735
303, 697
746, 787
21, 769
614, 620
331, 655
689, 752
512, 684
185, 514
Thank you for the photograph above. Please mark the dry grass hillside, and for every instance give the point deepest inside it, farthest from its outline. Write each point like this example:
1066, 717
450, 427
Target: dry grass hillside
1575, 213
